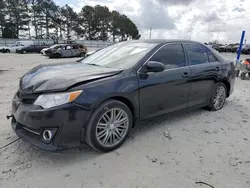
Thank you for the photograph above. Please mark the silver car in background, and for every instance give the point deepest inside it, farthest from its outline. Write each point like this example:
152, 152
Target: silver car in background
69, 50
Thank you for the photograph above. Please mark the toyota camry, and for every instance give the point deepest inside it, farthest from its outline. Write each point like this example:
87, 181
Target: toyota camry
98, 99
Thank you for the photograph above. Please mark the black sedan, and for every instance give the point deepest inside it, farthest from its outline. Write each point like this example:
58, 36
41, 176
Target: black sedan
31, 49
99, 99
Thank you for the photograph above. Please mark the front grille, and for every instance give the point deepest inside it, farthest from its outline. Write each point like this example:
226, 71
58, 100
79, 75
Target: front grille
26, 98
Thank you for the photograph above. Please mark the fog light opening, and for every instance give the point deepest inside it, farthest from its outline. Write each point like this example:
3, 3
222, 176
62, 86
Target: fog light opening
47, 135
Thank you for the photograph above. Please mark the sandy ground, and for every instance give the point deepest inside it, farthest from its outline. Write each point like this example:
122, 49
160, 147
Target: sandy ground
169, 151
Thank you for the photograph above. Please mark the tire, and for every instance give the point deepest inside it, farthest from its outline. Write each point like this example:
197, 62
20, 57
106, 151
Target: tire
58, 56
243, 76
237, 73
82, 55
24, 52
7, 51
216, 102
97, 126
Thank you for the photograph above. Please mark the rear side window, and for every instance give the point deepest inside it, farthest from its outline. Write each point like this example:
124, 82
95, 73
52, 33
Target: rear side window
197, 54
171, 55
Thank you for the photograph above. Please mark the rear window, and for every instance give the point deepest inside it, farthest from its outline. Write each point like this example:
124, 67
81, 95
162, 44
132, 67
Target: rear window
197, 54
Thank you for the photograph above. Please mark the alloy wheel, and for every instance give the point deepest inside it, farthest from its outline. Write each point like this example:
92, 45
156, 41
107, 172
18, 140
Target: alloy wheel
112, 127
220, 97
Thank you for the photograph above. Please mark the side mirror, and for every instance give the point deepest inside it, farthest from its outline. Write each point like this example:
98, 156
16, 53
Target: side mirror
155, 66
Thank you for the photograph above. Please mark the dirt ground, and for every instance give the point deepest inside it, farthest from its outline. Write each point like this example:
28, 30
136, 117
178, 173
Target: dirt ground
170, 151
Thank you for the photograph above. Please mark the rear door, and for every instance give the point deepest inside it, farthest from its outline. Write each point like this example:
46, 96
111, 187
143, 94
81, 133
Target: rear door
37, 48
205, 72
68, 52
75, 51
30, 48
167, 91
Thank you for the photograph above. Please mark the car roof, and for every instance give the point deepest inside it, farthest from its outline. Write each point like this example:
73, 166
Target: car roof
163, 41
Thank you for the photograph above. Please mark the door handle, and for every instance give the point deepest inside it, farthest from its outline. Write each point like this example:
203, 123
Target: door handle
185, 75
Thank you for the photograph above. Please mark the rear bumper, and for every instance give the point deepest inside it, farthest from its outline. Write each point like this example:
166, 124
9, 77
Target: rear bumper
67, 123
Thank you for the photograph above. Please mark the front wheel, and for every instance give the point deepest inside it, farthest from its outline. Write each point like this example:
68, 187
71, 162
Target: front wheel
218, 98
109, 126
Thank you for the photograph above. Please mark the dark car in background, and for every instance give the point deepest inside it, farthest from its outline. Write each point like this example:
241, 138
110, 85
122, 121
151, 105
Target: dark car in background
246, 49
225, 48
235, 48
98, 100
69, 50
34, 48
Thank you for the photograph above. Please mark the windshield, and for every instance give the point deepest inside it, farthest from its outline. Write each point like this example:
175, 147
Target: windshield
121, 55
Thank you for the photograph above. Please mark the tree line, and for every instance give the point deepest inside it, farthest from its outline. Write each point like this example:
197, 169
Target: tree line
43, 19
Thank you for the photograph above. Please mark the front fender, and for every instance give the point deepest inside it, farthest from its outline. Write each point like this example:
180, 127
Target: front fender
123, 85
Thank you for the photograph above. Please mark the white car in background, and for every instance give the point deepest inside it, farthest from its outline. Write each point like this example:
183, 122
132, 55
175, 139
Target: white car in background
13, 47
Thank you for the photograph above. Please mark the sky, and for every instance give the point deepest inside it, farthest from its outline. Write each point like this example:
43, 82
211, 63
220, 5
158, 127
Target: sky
200, 20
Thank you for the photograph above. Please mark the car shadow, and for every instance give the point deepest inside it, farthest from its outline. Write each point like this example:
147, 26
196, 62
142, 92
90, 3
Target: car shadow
166, 121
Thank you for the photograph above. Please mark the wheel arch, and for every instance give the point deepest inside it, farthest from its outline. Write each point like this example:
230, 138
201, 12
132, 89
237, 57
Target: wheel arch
227, 84
132, 107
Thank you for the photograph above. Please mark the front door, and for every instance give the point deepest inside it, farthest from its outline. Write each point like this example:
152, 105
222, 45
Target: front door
165, 91
205, 72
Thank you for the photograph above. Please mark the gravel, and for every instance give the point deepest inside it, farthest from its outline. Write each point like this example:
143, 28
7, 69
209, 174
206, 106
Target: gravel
202, 146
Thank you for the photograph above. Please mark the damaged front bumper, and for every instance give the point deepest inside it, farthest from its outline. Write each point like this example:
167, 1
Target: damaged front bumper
57, 128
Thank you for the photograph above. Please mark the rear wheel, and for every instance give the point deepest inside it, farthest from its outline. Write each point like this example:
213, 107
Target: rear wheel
109, 126
24, 52
7, 51
218, 98
82, 55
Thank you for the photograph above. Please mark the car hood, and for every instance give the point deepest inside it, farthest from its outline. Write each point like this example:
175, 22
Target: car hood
59, 77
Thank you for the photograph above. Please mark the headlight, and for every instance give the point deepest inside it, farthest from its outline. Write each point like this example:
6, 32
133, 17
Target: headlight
52, 100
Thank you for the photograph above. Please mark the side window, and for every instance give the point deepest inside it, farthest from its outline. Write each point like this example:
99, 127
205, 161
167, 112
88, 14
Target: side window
211, 57
197, 54
171, 55
75, 47
68, 47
